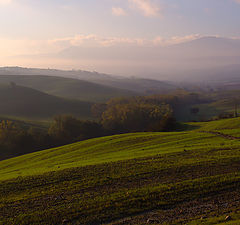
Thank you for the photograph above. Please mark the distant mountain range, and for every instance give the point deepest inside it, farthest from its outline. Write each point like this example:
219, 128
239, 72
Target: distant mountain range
202, 47
205, 59
208, 47
158, 62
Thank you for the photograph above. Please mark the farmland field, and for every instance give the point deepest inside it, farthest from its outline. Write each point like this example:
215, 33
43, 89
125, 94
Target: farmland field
187, 177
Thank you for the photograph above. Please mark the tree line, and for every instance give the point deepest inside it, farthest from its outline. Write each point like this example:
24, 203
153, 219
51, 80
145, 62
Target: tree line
121, 115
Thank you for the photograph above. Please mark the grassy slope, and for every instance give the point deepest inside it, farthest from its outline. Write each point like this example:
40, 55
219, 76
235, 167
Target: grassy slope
223, 124
24, 102
110, 178
109, 149
67, 87
223, 102
206, 112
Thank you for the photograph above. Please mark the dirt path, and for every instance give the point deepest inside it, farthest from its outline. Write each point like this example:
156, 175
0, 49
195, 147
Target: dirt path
227, 136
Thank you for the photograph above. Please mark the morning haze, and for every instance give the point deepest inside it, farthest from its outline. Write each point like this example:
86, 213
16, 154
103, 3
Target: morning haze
119, 112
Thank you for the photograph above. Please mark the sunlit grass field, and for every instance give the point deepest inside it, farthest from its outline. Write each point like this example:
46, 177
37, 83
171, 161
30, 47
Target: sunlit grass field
110, 149
128, 179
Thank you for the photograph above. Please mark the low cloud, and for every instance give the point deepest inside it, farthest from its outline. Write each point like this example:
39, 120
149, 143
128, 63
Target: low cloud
146, 7
237, 1
97, 41
117, 11
25, 46
159, 41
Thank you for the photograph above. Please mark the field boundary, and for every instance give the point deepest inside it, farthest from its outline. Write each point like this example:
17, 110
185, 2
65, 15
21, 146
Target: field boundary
226, 136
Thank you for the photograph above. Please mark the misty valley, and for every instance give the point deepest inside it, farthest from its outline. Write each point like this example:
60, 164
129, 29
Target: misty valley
89, 148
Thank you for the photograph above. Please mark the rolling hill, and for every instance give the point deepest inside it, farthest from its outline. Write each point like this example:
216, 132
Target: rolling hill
140, 86
19, 101
189, 177
67, 87
83, 82
79, 74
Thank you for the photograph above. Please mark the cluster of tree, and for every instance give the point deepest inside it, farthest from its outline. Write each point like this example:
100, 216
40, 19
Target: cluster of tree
137, 117
66, 129
122, 115
174, 101
18, 140
145, 113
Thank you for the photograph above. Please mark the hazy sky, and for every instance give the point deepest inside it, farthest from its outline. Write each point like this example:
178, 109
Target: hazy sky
43, 26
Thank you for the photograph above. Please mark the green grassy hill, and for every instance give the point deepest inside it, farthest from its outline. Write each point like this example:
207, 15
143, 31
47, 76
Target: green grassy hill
67, 87
189, 177
229, 124
23, 102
